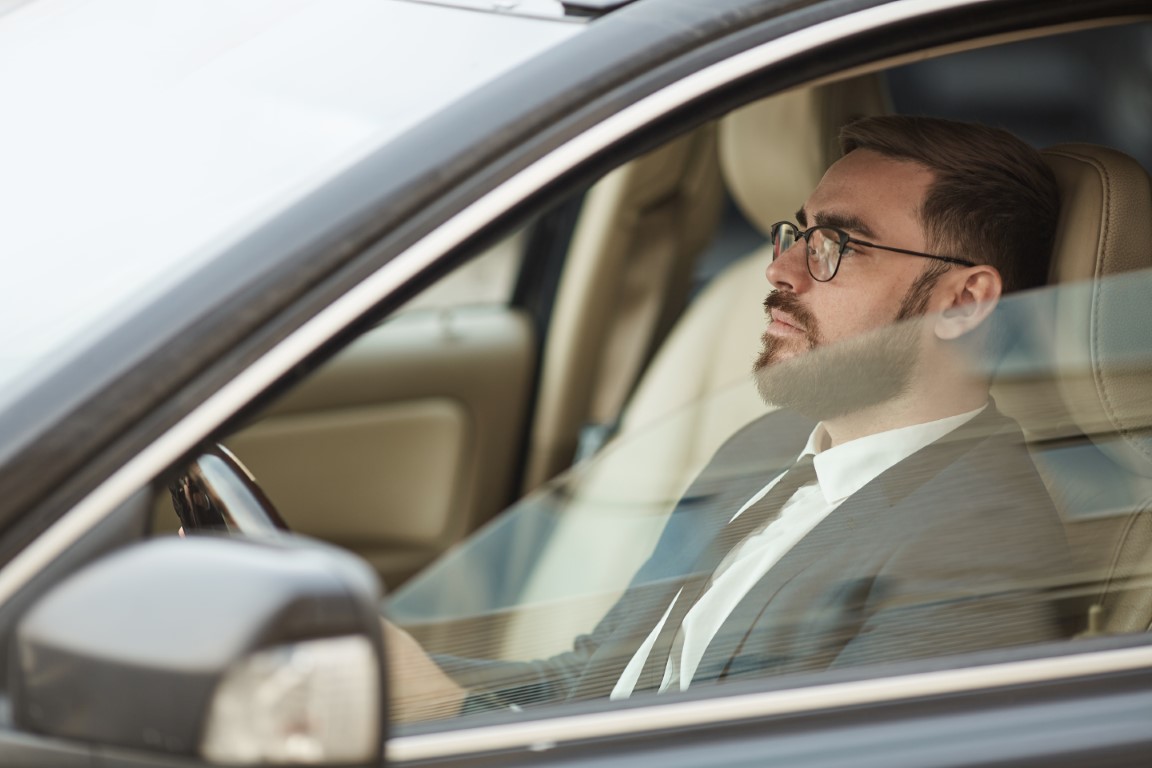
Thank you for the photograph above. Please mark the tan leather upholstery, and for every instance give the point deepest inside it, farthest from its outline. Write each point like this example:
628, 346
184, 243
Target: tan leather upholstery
1099, 318
652, 216
389, 449
773, 152
1107, 210
1124, 599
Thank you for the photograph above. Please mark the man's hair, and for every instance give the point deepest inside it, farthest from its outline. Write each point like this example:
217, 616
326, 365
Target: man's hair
994, 201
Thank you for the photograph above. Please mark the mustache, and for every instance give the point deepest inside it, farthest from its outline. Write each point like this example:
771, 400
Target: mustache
789, 304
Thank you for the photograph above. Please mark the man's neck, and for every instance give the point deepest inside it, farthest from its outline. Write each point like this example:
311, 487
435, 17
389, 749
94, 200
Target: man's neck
903, 411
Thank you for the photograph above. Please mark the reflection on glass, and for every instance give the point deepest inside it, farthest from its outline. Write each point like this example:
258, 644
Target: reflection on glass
982, 536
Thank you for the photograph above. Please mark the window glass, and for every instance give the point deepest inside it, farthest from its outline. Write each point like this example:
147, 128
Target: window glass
1093, 86
969, 529
489, 278
982, 542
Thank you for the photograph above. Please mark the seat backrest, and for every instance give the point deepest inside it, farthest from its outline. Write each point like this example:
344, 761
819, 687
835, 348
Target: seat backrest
651, 216
1083, 391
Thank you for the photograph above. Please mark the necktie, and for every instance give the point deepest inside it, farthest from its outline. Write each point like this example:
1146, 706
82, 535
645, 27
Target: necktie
752, 519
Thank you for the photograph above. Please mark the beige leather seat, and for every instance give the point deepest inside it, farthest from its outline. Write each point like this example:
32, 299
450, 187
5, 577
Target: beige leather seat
1087, 407
627, 277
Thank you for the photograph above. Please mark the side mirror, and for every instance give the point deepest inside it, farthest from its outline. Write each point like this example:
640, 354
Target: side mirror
225, 649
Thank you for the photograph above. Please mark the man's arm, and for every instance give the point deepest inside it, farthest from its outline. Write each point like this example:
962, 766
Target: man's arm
431, 686
419, 688
445, 686
979, 581
425, 687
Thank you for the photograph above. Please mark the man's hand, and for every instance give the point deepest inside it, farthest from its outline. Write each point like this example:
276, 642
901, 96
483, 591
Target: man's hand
419, 688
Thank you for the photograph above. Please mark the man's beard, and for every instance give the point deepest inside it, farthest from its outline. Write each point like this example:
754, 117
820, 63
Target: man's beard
833, 380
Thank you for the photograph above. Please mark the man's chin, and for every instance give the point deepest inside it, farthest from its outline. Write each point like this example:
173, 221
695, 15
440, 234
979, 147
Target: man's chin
827, 382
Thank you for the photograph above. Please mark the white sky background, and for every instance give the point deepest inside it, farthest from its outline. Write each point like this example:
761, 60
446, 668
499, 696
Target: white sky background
139, 136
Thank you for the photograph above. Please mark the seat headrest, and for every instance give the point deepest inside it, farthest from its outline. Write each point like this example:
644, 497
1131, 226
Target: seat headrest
774, 152
1102, 321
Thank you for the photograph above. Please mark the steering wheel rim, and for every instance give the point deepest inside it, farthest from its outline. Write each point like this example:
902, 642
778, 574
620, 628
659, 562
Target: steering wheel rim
216, 492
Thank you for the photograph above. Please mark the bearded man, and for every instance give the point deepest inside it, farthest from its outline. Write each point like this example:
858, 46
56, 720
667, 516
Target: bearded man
888, 511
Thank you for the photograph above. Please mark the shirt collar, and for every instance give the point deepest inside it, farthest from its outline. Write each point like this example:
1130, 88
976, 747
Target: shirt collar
848, 467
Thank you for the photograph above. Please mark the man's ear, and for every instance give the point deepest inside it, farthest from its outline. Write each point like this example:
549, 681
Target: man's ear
969, 295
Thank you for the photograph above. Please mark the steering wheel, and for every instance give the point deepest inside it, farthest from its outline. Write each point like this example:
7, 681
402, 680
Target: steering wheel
216, 492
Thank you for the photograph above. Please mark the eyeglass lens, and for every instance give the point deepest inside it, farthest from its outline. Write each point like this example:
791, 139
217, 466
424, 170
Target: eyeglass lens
823, 248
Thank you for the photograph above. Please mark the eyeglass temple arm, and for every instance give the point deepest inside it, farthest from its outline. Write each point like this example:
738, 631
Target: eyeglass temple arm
949, 259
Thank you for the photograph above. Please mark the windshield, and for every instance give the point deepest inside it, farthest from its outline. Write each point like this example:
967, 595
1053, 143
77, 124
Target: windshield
139, 140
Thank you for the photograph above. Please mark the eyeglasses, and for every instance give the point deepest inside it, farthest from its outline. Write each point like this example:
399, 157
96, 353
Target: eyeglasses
826, 246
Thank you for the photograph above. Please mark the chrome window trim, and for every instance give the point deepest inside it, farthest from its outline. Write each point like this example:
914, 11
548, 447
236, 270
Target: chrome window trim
327, 323
507, 7
546, 734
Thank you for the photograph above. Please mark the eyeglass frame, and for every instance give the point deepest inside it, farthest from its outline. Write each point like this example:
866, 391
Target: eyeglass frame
845, 240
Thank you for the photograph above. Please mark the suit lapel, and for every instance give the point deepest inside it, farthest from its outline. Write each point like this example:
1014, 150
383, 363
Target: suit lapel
851, 524
748, 460
741, 467
844, 527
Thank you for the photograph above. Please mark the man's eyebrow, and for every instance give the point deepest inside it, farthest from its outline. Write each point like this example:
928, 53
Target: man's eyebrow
845, 221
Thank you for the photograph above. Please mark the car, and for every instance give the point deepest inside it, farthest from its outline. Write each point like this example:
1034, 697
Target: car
460, 292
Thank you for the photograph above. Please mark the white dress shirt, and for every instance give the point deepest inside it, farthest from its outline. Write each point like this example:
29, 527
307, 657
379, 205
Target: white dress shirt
840, 472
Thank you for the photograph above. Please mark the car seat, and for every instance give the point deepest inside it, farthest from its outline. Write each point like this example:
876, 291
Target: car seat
1087, 406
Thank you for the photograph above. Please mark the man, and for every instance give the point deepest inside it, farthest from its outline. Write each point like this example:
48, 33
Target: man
910, 522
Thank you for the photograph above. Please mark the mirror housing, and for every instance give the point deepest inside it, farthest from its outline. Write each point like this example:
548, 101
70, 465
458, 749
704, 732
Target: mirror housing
226, 649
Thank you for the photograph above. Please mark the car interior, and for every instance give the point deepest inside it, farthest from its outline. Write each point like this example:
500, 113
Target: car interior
424, 428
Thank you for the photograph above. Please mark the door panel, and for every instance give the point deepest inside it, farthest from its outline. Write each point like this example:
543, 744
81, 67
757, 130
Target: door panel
405, 441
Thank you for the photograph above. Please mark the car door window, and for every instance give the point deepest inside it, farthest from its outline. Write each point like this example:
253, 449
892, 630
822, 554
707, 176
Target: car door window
501, 613
488, 279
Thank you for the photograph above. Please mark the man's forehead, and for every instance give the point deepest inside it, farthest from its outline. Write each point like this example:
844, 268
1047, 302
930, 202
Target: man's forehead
866, 192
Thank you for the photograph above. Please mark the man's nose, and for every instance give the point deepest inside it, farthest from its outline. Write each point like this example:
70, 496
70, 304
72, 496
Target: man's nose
790, 270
